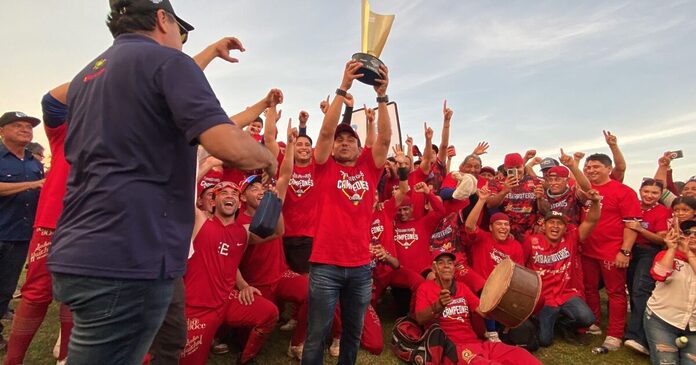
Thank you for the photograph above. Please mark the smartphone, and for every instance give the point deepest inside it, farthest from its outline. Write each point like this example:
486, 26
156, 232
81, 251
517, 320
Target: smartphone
511, 172
676, 154
451, 152
416, 151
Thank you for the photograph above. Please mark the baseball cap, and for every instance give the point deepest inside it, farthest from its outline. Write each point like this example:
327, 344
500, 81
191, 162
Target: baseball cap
224, 184
488, 169
548, 163
555, 215
499, 217
558, 171
210, 179
145, 5
441, 252
11, 117
249, 181
687, 225
513, 160
346, 128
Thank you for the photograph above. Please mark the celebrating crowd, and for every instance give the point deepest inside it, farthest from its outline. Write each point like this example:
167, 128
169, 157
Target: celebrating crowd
147, 271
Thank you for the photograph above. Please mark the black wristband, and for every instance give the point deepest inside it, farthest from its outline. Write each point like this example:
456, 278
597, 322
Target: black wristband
343, 93
402, 172
383, 99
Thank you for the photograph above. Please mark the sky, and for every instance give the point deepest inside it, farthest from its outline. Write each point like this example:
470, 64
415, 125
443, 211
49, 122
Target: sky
518, 74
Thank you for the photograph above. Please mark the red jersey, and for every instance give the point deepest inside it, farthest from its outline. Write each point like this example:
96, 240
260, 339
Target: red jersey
655, 219
50, 203
262, 263
486, 252
455, 205
412, 238
300, 206
619, 204
234, 175
455, 320
211, 272
382, 233
346, 197
519, 204
566, 203
554, 263
391, 184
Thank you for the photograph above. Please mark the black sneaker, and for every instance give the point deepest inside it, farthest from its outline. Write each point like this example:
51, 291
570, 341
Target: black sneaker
575, 338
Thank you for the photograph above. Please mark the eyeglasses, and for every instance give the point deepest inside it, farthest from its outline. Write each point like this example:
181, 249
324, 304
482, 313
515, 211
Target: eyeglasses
690, 233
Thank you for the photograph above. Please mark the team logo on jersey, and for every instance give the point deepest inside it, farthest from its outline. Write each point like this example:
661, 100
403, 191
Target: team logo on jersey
301, 183
457, 310
98, 69
376, 230
353, 187
498, 256
405, 237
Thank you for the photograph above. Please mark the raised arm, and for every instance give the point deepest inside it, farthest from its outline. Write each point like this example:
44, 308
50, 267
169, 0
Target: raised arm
270, 128
384, 132
472, 218
427, 159
323, 147
370, 130
444, 140
586, 227
237, 149
402, 172
244, 118
572, 165
619, 169
288, 161
219, 49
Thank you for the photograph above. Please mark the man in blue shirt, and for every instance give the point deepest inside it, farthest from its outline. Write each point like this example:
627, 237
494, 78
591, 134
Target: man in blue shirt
135, 114
21, 177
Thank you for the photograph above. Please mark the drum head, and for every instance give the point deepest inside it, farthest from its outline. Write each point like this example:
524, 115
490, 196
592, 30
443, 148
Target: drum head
496, 285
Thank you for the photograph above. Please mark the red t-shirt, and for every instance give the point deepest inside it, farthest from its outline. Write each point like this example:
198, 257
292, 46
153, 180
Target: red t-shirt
455, 205
486, 252
655, 220
382, 233
412, 238
390, 185
555, 265
455, 320
519, 204
344, 214
50, 203
619, 203
300, 206
262, 263
211, 272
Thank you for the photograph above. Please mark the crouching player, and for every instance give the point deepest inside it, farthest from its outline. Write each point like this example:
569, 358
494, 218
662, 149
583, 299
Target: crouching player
452, 303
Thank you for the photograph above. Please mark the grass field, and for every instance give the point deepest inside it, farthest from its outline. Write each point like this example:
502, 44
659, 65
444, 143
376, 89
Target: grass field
561, 353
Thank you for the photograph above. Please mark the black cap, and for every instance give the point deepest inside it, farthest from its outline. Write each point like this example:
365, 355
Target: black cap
144, 5
11, 117
687, 225
548, 163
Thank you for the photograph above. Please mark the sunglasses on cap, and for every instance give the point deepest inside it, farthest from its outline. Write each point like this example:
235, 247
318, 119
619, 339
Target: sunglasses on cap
225, 184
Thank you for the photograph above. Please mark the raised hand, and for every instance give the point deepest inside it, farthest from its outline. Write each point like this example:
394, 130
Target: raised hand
577, 156
273, 98
348, 100
292, 132
369, 114
567, 160
350, 73
539, 191
480, 149
529, 155
409, 141
483, 193
447, 113
672, 238
324, 105
399, 155
225, 45
383, 81
421, 187
428, 131
304, 117
610, 138
593, 195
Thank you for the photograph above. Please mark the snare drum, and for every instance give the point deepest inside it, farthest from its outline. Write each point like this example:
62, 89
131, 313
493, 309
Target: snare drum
510, 294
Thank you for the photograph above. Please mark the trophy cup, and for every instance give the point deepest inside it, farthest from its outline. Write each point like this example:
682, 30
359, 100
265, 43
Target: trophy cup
375, 30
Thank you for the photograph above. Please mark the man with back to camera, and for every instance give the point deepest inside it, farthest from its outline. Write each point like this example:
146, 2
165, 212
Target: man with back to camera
340, 253
135, 114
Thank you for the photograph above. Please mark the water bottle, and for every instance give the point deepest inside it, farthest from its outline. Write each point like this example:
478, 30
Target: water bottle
600, 350
681, 341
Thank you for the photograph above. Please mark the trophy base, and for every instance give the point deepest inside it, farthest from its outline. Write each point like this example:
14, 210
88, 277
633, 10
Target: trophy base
370, 69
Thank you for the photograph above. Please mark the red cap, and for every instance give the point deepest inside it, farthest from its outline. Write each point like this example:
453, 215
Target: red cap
499, 217
558, 171
210, 179
248, 181
436, 253
488, 169
346, 128
513, 160
406, 201
225, 184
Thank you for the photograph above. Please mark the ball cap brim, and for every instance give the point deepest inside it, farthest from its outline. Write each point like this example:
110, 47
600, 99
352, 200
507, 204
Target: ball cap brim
11, 117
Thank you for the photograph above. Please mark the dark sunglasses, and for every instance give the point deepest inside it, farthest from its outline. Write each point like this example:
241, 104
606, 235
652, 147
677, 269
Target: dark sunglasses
182, 31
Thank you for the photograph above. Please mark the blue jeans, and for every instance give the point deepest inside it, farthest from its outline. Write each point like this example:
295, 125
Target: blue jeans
327, 285
114, 320
640, 285
13, 254
574, 313
661, 338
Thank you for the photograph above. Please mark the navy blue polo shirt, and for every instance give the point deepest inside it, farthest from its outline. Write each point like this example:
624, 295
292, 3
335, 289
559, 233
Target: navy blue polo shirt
134, 117
18, 210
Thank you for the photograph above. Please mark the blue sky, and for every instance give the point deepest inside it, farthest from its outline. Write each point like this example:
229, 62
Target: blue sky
518, 74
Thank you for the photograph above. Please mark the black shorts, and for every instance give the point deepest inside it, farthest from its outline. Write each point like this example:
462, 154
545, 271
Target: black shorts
297, 252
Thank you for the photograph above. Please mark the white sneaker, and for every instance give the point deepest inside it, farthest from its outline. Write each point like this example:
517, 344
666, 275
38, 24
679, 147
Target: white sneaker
636, 346
289, 325
492, 336
295, 352
612, 343
594, 330
335, 347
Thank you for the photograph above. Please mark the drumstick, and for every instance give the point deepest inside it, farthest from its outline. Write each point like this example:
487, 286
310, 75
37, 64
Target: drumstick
437, 277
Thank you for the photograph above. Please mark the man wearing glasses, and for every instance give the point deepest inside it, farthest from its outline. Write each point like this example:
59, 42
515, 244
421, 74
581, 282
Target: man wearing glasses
135, 114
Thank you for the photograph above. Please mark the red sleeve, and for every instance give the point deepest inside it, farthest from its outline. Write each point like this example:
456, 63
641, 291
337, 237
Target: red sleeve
631, 204
389, 208
448, 182
658, 272
526, 250
474, 237
670, 183
661, 224
416, 176
424, 297
437, 211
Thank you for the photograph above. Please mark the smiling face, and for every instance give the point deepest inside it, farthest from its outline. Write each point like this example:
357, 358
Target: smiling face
683, 212
444, 267
554, 229
19, 132
226, 202
597, 172
500, 230
650, 195
470, 166
557, 185
303, 150
255, 127
253, 194
345, 148
689, 189
404, 213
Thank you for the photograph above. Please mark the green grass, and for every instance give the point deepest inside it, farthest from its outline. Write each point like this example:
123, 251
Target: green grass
561, 353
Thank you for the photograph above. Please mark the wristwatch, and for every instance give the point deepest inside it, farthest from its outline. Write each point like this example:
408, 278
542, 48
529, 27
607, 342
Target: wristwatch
626, 253
343, 93
383, 99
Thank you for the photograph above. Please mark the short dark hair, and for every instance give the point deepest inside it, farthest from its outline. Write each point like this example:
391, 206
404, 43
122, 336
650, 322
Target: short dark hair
435, 148
308, 138
686, 200
35, 147
126, 17
599, 157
